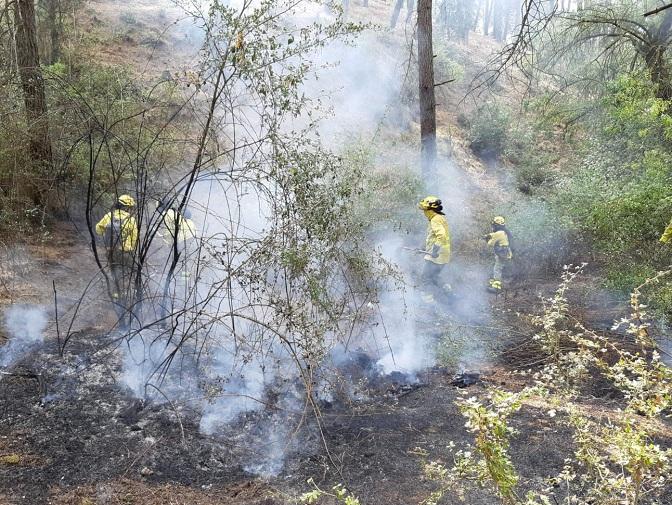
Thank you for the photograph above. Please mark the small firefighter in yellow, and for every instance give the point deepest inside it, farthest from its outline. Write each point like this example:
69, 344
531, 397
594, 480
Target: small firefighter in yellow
175, 221
500, 241
177, 231
119, 231
437, 248
667, 234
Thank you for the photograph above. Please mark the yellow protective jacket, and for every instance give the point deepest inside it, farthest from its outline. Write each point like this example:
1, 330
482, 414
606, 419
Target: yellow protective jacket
185, 227
667, 234
438, 235
499, 241
129, 231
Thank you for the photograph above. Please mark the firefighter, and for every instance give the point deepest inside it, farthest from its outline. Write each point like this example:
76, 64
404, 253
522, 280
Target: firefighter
437, 249
176, 224
667, 234
177, 231
119, 231
500, 241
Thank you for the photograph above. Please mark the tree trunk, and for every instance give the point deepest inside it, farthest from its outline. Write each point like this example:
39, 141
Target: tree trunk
426, 85
487, 14
477, 16
499, 20
410, 7
395, 13
53, 16
34, 98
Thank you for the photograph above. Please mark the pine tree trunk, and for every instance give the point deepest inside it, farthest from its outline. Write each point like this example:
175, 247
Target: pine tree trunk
487, 14
54, 30
395, 13
426, 84
34, 97
410, 7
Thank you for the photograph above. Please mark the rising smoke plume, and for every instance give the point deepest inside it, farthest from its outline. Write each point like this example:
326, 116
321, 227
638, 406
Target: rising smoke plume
25, 326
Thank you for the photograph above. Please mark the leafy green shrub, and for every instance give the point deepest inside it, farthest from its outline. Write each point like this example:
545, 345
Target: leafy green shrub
488, 133
618, 197
623, 276
620, 193
613, 459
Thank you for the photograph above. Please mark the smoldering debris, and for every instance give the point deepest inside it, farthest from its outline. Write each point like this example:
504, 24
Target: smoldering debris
25, 326
466, 379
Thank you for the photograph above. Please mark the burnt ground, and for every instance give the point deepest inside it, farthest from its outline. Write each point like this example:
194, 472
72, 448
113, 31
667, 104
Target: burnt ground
77, 436
90, 442
80, 438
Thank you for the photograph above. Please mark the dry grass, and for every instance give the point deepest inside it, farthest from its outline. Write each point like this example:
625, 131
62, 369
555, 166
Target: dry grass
133, 492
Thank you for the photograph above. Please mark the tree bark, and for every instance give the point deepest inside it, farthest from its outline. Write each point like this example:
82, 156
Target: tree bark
395, 13
53, 17
34, 98
497, 21
410, 7
487, 14
426, 85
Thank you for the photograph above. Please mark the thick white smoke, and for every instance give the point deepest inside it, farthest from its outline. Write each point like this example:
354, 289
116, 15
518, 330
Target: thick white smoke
25, 326
408, 348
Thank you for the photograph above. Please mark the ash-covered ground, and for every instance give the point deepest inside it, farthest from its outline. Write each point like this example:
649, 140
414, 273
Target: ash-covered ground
71, 432
77, 434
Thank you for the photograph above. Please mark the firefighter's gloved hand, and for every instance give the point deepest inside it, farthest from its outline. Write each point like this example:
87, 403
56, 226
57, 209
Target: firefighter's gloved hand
486, 237
435, 251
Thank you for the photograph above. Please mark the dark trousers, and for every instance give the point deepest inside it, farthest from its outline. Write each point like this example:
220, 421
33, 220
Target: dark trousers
432, 281
120, 264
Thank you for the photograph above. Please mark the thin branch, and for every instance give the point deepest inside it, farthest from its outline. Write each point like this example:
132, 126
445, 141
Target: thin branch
659, 9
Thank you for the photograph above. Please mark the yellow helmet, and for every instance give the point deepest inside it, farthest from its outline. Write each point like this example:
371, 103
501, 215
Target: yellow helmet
430, 203
499, 220
127, 201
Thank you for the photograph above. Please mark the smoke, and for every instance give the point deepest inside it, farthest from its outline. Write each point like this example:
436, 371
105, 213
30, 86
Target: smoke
25, 325
405, 347
360, 83
243, 388
235, 374
274, 438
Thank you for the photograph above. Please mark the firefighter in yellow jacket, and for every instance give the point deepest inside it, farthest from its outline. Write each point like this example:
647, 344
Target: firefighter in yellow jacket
119, 231
174, 221
437, 247
177, 231
667, 234
500, 241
